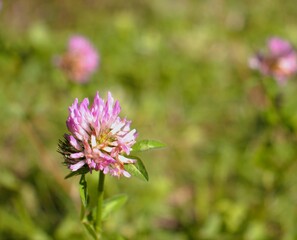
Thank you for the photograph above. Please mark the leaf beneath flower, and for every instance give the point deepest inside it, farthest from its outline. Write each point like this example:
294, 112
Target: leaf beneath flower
144, 145
80, 171
137, 169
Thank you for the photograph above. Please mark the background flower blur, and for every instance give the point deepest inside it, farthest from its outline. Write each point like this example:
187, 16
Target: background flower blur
179, 69
279, 61
80, 61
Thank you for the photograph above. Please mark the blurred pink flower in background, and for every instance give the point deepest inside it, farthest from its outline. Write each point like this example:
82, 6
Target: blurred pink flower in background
279, 60
99, 139
80, 61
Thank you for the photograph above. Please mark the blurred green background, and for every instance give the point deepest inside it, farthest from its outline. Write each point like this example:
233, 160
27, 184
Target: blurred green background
179, 69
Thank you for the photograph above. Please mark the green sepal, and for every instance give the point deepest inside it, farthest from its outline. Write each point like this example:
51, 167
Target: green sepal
112, 204
137, 169
144, 145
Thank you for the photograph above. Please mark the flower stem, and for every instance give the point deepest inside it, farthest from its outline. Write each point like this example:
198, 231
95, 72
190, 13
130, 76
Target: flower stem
98, 223
276, 100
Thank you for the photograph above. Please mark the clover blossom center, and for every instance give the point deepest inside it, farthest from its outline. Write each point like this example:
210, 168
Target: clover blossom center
103, 141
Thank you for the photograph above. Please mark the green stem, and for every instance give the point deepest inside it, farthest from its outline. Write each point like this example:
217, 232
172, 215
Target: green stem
276, 105
98, 223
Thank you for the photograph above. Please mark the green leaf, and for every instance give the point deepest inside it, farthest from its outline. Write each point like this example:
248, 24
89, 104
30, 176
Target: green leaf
83, 191
137, 169
144, 145
112, 204
80, 171
90, 229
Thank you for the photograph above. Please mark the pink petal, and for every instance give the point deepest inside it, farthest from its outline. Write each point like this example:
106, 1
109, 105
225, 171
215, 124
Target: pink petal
77, 155
77, 166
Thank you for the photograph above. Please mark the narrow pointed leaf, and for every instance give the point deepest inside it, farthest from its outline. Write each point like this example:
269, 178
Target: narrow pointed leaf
80, 171
144, 145
137, 169
82, 212
72, 174
90, 229
113, 204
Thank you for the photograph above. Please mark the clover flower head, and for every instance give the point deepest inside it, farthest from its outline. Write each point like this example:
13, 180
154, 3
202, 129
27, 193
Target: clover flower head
80, 61
99, 139
279, 60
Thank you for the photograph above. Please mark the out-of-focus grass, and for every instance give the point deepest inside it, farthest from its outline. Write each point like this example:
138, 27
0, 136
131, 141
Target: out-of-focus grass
179, 69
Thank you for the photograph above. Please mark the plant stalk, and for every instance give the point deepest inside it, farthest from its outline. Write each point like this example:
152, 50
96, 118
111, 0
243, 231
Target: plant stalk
98, 223
276, 105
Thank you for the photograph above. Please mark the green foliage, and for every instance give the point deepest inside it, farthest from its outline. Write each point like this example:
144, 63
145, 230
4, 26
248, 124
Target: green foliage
112, 204
144, 145
83, 191
80, 171
137, 169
